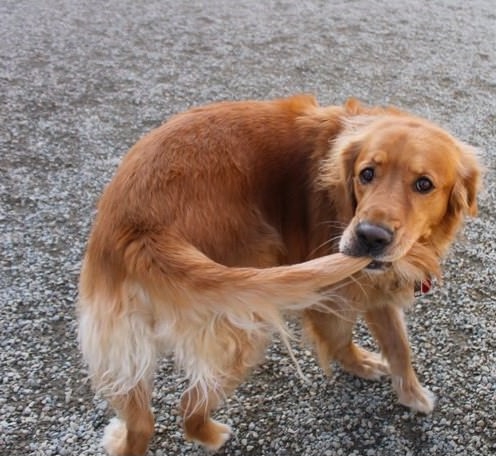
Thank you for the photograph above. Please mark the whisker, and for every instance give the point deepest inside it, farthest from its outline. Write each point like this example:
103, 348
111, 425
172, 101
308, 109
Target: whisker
333, 223
324, 244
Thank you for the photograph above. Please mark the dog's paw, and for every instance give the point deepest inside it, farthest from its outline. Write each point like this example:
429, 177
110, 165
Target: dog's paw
415, 396
114, 438
211, 434
220, 434
365, 364
117, 442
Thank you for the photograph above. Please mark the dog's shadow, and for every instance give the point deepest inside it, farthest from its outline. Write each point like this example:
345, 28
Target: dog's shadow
276, 412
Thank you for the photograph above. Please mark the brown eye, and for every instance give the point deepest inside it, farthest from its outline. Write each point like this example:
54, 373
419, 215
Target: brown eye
423, 185
367, 175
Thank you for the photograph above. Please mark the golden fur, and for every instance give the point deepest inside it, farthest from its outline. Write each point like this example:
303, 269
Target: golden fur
229, 214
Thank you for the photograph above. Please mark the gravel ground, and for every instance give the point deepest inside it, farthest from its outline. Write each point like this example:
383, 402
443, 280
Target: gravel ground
81, 81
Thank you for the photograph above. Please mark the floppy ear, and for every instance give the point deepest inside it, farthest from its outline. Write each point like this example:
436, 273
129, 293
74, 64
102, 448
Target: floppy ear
335, 175
463, 197
345, 198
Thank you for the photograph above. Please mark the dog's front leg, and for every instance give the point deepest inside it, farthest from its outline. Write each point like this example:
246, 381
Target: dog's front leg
388, 326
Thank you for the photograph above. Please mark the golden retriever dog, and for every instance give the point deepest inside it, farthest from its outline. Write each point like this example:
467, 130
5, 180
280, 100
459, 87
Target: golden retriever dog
230, 214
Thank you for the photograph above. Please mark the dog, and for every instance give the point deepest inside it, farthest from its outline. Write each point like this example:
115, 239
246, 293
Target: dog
227, 215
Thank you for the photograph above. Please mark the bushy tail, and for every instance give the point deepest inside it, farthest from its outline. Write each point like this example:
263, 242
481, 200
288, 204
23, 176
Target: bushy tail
183, 267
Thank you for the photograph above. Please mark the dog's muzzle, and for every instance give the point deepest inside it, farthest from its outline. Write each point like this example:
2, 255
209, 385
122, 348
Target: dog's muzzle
370, 240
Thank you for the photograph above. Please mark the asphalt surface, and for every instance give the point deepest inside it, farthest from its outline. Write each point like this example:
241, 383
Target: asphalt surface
80, 82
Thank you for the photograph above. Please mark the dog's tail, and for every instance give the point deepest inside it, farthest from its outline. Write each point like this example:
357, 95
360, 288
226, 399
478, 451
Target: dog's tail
180, 266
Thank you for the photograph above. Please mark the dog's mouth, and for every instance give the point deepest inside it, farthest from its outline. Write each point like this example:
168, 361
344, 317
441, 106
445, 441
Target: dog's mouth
376, 265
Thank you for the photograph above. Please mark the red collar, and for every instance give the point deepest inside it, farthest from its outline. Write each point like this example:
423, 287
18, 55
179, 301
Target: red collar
422, 287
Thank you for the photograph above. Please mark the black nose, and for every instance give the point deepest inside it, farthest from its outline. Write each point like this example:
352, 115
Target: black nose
373, 239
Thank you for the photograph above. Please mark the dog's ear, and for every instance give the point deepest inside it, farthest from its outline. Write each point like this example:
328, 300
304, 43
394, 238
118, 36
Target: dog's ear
335, 176
345, 196
463, 198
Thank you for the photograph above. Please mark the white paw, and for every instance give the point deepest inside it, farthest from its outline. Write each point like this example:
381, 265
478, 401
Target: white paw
223, 433
374, 366
416, 397
366, 364
114, 437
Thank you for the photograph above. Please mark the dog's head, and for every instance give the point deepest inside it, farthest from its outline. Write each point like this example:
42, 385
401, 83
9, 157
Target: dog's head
405, 187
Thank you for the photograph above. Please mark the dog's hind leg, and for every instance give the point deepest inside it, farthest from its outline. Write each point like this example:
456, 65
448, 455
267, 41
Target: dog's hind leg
230, 359
196, 407
130, 432
117, 341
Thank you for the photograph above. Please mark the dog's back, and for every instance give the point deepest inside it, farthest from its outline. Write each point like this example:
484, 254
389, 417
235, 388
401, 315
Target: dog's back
229, 178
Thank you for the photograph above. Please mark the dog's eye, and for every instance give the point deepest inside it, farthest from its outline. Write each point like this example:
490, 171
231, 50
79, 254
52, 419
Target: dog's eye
366, 175
423, 185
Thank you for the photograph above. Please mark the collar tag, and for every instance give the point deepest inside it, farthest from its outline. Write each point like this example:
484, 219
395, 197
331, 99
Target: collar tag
422, 287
